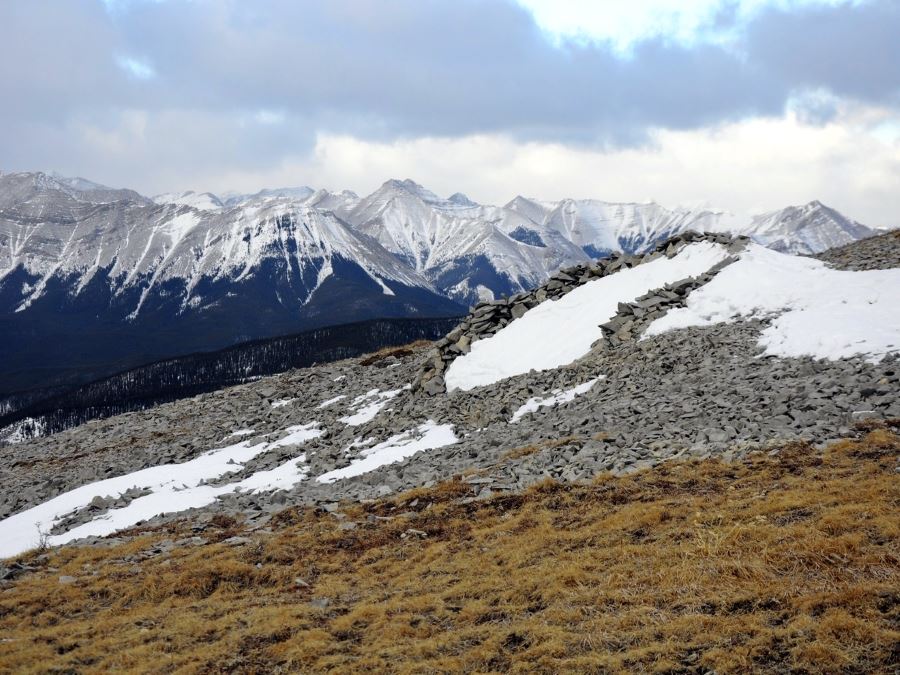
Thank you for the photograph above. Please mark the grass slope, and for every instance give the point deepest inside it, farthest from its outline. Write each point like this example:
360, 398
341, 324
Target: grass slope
787, 562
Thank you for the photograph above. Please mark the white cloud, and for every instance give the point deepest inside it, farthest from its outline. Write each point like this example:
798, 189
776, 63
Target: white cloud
270, 116
745, 167
136, 68
625, 22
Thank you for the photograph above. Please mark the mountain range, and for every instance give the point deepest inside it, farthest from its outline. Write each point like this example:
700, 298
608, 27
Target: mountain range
94, 279
470, 251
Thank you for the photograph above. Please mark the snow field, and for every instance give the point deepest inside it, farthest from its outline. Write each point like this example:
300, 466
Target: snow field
174, 487
428, 436
815, 310
558, 332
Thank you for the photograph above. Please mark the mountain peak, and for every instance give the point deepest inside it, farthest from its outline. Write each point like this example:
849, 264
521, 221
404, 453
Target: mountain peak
300, 193
461, 199
77, 183
811, 228
78, 189
405, 184
204, 201
411, 187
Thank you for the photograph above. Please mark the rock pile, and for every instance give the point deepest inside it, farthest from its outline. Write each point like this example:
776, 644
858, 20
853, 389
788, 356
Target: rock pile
874, 253
489, 317
633, 317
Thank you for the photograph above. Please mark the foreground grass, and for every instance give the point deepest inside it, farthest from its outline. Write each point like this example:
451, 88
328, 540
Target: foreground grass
784, 563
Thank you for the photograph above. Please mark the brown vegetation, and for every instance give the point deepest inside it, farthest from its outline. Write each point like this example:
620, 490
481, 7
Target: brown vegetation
545, 444
783, 563
397, 352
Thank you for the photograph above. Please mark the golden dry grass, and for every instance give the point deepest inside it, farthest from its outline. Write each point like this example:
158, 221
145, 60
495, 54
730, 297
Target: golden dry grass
549, 443
785, 563
398, 352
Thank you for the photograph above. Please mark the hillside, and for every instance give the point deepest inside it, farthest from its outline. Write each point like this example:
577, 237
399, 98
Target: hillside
786, 561
707, 345
678, 461
44, 412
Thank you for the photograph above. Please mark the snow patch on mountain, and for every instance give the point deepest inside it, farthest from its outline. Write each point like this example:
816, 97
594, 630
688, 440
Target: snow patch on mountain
366, 406
173, 488
333, 400
814, 311
557, 397
428, 436
537, 341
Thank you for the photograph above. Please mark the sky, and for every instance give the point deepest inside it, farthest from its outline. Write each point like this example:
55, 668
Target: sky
742, 105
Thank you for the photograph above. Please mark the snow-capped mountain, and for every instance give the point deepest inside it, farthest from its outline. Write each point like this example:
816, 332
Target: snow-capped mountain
31, 193
301, 194
339, 202
204, 201
600, 228
467, 250
135, 280
807, 229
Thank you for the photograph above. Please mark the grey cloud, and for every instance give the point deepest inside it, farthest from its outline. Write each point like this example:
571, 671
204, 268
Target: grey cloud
446, 68
393, 68
854, 51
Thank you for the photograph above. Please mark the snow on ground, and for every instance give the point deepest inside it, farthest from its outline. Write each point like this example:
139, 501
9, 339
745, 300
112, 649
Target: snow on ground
558, 396
395, 449
385, 289
366, 406
819, 311
556, 333
175, 487
280, 403
282, 477
241, 432
325, 404
25, 430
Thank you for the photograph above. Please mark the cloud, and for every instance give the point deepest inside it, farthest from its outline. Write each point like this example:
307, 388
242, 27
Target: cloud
150, 94
136, 68
746, 167
408, 68
851, 51
623, 23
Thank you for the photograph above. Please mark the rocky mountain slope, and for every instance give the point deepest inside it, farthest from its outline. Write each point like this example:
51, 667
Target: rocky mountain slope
91, 285
119, 279
614, 366
811, 228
